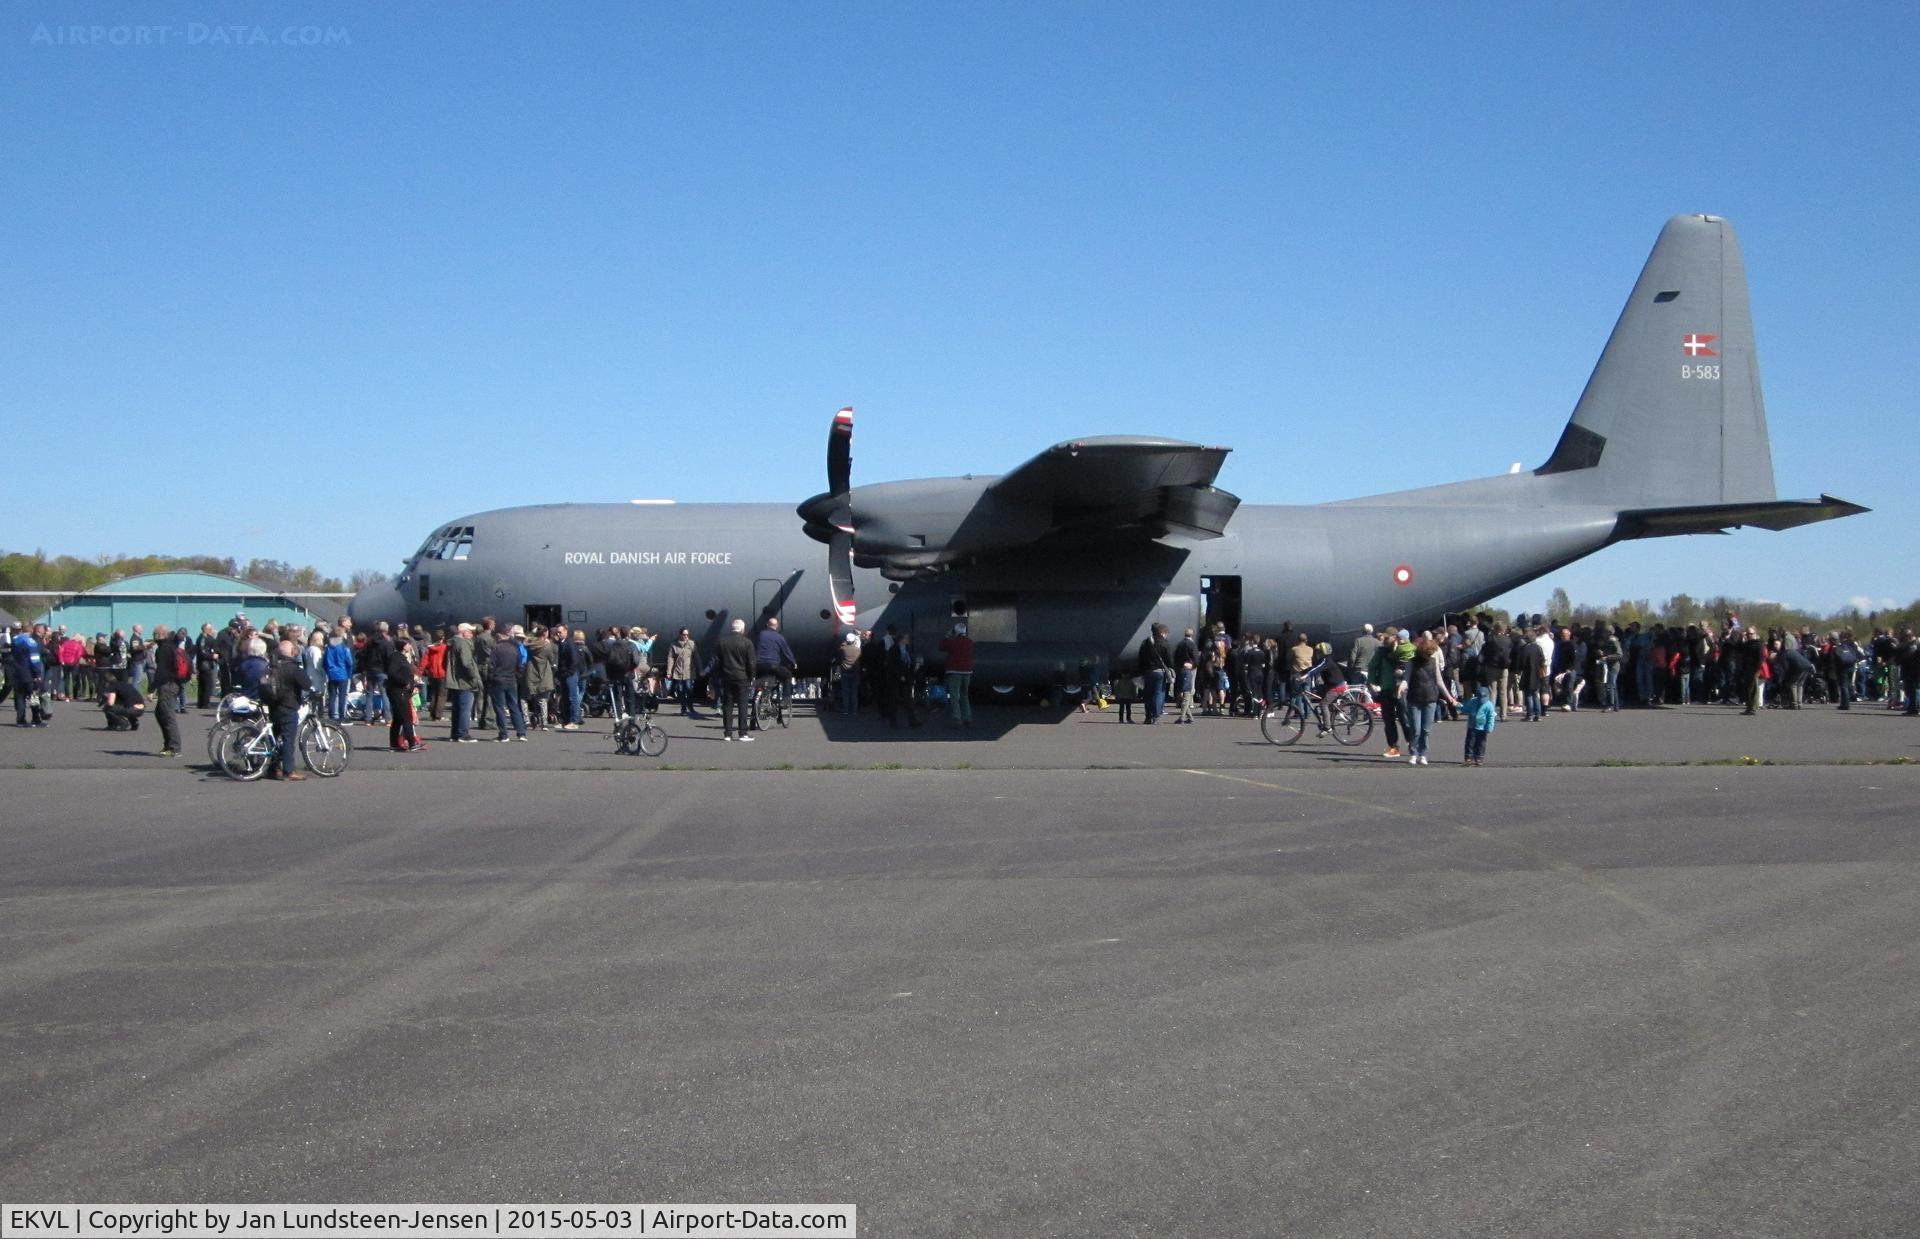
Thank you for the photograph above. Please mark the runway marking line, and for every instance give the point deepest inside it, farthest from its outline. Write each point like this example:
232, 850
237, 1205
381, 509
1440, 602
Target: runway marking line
1565, 868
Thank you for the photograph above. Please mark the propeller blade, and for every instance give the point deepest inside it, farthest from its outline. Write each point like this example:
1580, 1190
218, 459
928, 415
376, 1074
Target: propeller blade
840, 576
840, 452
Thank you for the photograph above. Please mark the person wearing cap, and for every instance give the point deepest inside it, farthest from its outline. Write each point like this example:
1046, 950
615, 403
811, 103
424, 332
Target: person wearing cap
847, 687
957, 646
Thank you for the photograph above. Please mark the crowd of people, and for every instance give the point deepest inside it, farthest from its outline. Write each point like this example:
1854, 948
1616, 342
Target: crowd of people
1523, 668
518, 679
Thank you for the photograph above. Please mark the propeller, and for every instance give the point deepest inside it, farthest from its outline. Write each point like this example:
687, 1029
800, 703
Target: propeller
840, 515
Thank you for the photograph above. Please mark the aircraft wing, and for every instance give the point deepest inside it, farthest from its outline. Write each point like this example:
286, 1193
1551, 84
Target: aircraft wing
1113, 482
1774, 514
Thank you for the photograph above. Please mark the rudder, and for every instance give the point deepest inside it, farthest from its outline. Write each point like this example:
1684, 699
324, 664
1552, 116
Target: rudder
1673, 414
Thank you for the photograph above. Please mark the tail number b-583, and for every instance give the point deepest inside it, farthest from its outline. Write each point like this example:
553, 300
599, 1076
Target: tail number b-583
1700, 372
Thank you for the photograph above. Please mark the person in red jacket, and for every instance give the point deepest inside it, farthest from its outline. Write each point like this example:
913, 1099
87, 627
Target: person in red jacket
434, 667
958, 648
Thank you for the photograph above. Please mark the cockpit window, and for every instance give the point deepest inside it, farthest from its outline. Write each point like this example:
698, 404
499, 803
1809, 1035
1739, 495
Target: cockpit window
453, 542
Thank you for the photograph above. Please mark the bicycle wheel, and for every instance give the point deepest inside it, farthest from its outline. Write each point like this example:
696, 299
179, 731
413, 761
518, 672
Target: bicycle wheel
1284, 725
1351, 722
325, 748
217, 736
248, 752
626, 736
653, 741
762, 711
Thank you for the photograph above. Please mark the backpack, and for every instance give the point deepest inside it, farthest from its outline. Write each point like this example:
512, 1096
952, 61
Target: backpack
182, 669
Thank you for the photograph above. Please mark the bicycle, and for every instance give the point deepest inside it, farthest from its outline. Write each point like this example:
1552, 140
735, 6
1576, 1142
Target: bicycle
770, 703
1343, 717
596, 698
245, 746
637, 733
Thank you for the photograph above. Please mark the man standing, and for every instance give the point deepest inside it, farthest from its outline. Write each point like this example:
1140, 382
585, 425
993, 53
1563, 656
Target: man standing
1910, 669
137, 655
1156, 662
873, 667
847, 689
1385, 673
463, 681
1186, 664
282, 690
571, 658
206, 666
169, 681
902, 670
379, 656
733, 664
1496, 665
958, 648
227, 655
1362, 654
1753, 658
619, 659
483, 642
503, 689
27, 664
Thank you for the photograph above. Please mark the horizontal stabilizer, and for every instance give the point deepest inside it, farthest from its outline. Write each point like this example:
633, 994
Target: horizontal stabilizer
1773, 514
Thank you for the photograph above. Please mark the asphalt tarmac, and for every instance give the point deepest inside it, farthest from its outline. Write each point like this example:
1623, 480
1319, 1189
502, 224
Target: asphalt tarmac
1040, 739
1219, 989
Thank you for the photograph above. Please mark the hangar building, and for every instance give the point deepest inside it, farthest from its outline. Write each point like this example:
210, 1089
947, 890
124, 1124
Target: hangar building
187, 599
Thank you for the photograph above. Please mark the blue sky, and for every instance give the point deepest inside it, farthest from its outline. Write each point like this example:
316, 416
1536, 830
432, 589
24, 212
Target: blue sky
308, 301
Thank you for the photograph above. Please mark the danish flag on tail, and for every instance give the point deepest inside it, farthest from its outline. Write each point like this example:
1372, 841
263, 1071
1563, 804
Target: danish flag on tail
1696, 345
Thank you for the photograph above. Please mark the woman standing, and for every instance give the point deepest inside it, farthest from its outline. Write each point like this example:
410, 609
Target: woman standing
400, 676
682, 659
539, 674
1423, 690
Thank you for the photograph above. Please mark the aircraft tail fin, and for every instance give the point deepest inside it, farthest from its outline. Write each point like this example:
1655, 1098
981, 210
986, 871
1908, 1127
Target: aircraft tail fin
1673, 415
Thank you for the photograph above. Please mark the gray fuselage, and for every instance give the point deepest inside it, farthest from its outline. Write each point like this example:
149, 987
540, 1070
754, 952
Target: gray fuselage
1035, 616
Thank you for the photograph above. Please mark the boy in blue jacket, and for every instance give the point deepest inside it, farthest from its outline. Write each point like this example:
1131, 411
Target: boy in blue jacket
1481, 719
338, 661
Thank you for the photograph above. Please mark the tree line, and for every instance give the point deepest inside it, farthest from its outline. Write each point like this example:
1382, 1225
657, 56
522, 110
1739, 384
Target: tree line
57, 576
1762, 613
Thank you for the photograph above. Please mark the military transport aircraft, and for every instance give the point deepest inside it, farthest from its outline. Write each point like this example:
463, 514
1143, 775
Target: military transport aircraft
1068, 559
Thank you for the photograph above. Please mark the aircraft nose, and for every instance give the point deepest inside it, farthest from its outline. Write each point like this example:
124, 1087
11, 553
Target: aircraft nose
375, 603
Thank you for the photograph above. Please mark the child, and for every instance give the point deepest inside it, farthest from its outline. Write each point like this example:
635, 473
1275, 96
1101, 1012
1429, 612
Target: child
1481, 718
1126, 691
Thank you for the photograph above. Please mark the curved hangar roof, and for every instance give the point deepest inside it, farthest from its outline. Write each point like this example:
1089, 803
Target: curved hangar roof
182, 598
